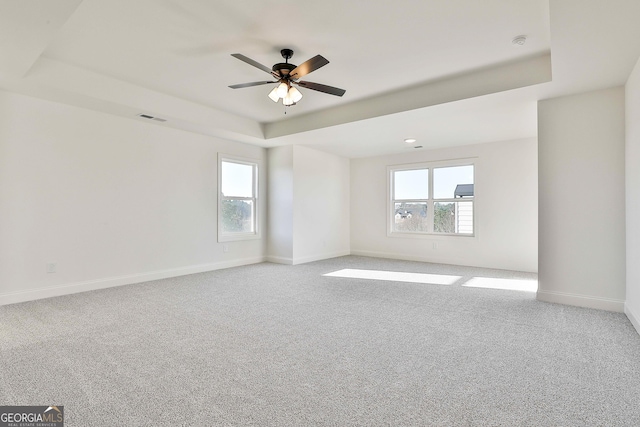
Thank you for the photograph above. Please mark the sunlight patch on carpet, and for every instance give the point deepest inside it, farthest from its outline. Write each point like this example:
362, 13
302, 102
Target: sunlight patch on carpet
523, 285
395, 276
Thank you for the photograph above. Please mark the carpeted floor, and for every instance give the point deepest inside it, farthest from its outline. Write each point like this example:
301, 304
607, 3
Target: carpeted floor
275, 345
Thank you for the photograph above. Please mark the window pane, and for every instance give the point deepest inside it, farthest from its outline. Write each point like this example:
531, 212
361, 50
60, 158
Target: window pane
237, 216
411, 184
453, 217
410, 217
447, 180
237, 180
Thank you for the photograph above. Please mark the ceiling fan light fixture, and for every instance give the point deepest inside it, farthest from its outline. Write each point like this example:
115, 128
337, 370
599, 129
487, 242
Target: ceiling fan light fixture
274, 94
282, 89
294, 94
287, 100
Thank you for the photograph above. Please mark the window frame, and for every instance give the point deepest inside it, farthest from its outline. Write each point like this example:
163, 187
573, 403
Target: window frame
237, 236
431, 201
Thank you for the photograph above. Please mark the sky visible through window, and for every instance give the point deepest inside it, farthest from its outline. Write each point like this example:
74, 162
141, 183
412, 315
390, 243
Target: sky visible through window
445, 180
414, 184
237, 180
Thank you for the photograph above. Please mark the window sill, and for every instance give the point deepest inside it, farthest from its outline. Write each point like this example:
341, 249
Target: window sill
396, 234
234, 237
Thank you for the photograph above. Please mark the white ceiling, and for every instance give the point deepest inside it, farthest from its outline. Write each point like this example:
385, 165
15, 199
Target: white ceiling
443, 71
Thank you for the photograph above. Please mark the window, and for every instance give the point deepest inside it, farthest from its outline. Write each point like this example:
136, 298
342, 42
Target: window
237, 199
432, 199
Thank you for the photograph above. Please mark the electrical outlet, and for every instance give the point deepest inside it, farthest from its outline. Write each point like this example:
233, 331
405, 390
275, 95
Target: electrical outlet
225, 248
51, 267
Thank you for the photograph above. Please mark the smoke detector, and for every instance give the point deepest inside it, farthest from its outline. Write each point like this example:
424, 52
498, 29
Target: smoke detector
519, 40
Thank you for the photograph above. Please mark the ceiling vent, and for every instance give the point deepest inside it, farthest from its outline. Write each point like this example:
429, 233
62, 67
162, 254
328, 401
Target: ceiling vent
149, 117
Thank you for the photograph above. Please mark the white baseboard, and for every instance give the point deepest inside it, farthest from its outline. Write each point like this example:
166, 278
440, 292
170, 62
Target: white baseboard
437, 260
303, 260
91, 285
587, 301
319, 257
401, 257
280, 260
633, 317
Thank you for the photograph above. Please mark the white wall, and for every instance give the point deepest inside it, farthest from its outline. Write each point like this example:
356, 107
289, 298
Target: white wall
308, 205
280, 221
321, 205
632, 158
582, 199
109, 200
505, 208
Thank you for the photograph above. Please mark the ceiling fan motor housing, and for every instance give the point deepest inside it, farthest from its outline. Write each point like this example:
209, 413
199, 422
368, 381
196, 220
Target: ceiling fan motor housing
283, 69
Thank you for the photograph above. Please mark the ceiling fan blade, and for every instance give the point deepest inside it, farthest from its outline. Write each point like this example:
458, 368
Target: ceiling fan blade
241, 85
308, 66
256, 64
322, 88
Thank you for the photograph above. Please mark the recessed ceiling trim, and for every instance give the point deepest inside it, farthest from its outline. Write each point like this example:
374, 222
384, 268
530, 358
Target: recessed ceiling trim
62, 82
26, 29
499, 78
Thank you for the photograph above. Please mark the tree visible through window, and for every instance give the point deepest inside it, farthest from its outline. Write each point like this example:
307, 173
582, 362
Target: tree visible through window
237, 199
435, 199
411, 193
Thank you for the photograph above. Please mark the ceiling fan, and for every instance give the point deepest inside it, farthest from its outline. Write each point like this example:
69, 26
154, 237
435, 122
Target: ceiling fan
287, 75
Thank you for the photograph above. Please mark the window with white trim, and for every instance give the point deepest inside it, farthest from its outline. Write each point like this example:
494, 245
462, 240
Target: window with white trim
237, 198
433, 198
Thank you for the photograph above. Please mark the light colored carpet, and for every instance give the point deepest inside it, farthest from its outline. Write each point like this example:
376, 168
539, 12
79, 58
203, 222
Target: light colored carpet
275, 345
